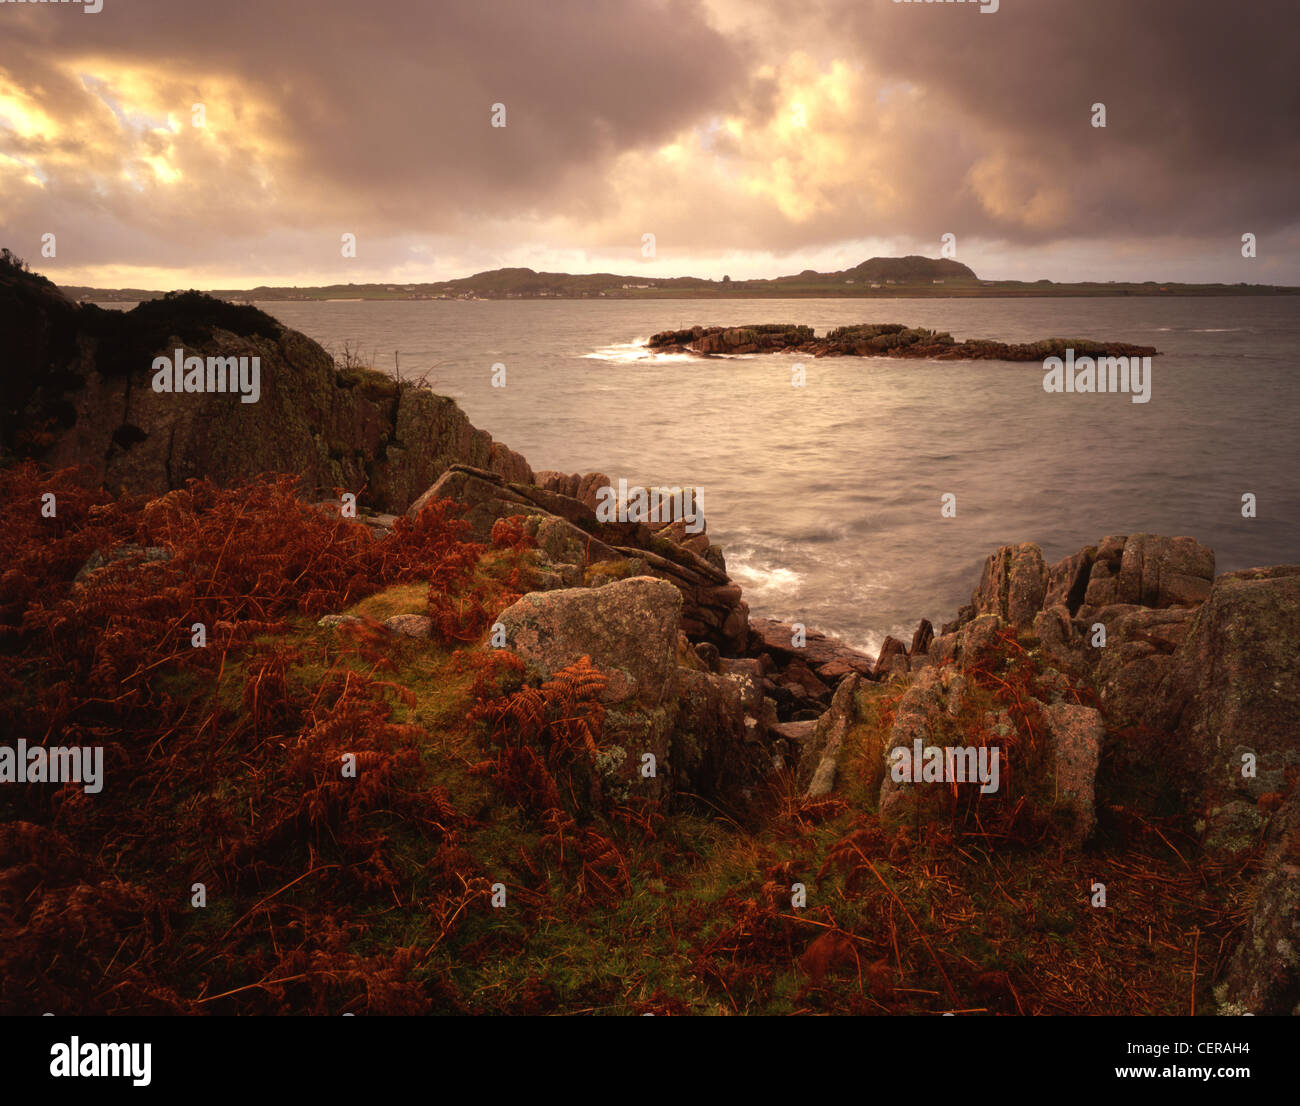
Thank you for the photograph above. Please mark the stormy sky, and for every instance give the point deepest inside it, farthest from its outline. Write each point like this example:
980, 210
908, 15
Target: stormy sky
751, 137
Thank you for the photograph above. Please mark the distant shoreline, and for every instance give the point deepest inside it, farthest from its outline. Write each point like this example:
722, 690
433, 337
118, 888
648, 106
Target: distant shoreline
1056, 291
911, 277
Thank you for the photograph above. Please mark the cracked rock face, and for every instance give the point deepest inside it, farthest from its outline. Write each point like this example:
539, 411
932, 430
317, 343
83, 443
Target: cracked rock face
1234, 686
1076, 734
693, 721
1014, 584
629, 630
352, 428
1149, 570
568, 534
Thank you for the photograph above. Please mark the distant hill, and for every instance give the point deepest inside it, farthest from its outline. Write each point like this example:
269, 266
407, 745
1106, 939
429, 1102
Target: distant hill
909, 269
912, 269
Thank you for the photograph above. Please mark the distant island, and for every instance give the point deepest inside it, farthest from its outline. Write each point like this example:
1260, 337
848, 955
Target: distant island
886, 277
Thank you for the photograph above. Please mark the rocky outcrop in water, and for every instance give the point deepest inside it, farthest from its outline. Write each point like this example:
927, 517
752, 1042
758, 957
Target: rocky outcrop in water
877, 340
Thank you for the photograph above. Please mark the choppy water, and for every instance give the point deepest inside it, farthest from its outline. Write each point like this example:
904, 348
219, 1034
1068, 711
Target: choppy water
826, 499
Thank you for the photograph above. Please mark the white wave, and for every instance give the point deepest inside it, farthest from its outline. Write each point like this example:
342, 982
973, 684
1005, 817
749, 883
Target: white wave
628, 353
768, 581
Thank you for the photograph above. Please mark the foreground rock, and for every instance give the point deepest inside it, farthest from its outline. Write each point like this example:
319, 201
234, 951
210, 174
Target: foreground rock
877, 340
694, 722
1198, 679
409, 625
629, 630
579, 550
1112, 614
1075, 734
1232, 698
826, 742
1197, 686
1263, 975
926, 713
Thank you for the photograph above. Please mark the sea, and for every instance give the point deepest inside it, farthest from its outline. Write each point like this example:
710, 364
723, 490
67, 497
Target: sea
828, 499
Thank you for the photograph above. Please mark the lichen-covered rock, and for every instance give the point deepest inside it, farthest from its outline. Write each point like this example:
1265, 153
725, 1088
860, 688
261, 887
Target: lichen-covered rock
333, 621
748, 674
1263, 976
409, 625
568, 533
1231, 828
1075, 734
925, 713
630, 731
708, 752
1013, 584
1158, 571
561, 542
628, 629
1235, 681
827, 740
1129, 671
979, 639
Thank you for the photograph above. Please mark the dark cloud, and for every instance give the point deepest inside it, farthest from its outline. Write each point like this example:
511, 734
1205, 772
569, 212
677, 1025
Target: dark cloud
1201, 99
380, 113
670, 116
